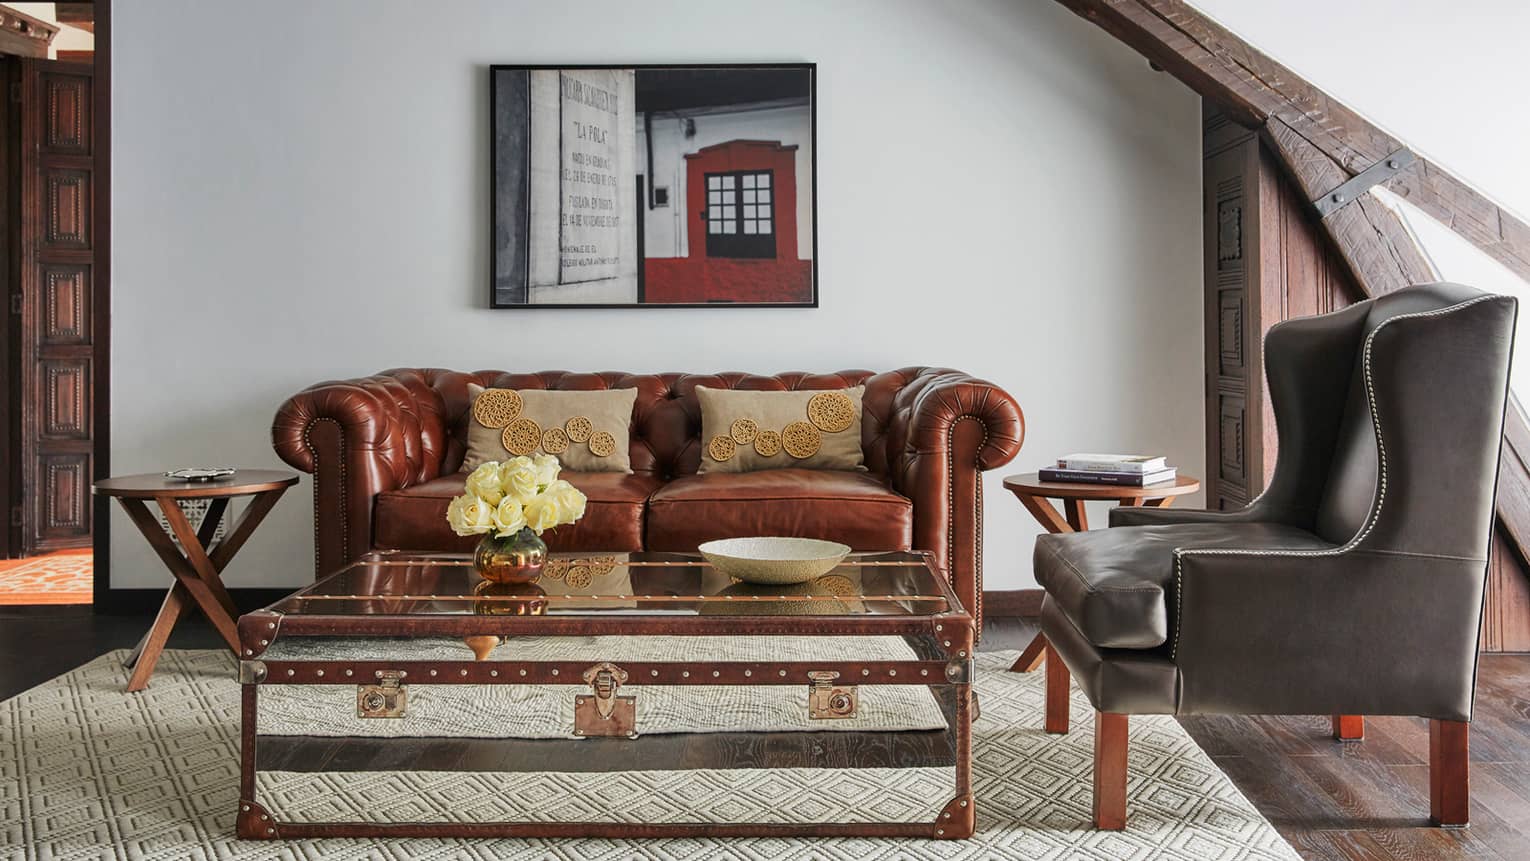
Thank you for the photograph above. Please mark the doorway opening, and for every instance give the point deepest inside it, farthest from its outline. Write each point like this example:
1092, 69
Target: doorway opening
53, 216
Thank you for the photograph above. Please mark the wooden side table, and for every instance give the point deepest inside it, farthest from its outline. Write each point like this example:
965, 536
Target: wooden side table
1033, 493
196, 566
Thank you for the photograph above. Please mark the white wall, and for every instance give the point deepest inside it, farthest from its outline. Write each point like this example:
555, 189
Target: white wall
1002, 188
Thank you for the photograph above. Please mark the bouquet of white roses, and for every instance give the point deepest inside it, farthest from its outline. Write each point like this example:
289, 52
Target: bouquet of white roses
521, 493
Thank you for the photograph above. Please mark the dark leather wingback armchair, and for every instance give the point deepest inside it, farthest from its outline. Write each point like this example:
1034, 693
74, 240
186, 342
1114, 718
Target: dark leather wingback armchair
1352, 586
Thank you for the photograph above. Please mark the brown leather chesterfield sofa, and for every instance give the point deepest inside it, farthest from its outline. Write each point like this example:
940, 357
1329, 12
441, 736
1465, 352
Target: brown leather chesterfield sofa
386, 450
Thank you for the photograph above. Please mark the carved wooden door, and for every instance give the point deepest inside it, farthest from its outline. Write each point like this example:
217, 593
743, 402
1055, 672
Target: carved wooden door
1266, 261
57, 146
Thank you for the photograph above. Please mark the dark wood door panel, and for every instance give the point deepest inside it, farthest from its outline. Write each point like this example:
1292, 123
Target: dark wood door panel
66, 212
66, 399
63, 506
58, 332
65, 304
66, 104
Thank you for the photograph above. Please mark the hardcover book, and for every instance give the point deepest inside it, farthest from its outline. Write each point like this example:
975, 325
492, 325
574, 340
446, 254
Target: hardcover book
1138, 463
1124, 479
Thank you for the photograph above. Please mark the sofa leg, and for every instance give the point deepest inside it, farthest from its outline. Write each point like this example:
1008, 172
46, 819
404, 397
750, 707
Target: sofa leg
1349, 727
1057, 693
1109, 771
1449, 773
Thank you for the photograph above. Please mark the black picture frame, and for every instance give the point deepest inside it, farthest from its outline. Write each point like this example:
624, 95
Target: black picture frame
511, 247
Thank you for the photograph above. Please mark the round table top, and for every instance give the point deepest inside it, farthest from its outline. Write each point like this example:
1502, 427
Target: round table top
153, 485
1031, 485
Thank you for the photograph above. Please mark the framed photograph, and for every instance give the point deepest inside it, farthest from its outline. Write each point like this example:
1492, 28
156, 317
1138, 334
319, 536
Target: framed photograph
639, 186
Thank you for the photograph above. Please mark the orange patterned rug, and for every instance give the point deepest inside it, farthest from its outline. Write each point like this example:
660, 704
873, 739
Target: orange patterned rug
64, 577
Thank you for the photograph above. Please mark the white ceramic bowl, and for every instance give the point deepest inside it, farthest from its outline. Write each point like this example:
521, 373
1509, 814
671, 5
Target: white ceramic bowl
774, 561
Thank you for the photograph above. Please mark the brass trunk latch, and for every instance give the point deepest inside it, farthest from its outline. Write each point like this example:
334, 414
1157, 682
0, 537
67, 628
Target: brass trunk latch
386, 699
601, 712
826, 700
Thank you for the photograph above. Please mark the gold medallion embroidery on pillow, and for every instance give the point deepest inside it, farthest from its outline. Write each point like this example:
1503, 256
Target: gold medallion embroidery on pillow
554, 569
767, 443
579, 575
496, 408
831, 412
521, 437
721, 448
602, 444
579, 428
801, 440
554, 441
744, 431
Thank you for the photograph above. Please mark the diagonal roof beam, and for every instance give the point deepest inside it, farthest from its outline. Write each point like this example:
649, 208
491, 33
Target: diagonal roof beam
1209, 59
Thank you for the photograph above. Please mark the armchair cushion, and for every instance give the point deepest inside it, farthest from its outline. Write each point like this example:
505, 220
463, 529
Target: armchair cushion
415, 518
854, 508
1115, 584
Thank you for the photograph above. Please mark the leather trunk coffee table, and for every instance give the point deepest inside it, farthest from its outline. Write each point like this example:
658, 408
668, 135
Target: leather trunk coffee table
622, 695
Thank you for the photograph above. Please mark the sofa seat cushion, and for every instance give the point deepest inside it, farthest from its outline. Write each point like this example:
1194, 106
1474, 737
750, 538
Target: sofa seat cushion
854, 508
415, 518
1115, 584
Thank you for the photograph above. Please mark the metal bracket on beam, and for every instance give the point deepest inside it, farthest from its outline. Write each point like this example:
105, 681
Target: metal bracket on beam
1363, 181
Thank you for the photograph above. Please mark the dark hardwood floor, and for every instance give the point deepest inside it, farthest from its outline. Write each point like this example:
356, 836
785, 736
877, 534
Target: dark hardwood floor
1331, 800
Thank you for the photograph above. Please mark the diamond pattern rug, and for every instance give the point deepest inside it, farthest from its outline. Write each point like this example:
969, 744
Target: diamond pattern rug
90, 772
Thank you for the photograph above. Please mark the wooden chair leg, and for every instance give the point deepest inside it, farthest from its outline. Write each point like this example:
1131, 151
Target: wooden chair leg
1449, 773
1057, 693
1349, 727
1033, 655
1109, 771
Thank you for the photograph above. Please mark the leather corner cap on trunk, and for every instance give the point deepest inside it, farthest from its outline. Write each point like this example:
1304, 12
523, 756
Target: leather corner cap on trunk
1114, 584
415, 518
854, 508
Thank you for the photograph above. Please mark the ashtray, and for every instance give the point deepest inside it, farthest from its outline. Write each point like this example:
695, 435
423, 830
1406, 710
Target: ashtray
200, 473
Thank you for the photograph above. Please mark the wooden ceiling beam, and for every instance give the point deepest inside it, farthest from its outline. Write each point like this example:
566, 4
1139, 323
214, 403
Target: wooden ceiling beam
1375, 244
1214, 62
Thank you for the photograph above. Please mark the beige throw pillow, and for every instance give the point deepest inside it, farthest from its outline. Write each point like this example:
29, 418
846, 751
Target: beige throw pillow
744, 431
587, 430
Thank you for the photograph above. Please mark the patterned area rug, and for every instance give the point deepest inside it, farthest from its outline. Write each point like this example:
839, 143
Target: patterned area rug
87, 772
65, 577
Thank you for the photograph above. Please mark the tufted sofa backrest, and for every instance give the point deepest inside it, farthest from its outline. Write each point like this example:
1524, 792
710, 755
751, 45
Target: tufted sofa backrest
666, 427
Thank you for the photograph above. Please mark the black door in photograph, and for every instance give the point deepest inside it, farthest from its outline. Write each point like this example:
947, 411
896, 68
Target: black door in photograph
739, 215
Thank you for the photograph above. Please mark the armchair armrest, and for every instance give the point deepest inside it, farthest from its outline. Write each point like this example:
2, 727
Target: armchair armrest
357, 439
1325, 632
956, 427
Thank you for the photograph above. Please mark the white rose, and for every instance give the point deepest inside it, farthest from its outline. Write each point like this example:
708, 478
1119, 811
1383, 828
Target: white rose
542, 513
548, 468
518, 478
483, 483
469, 515
569, 501
509, 518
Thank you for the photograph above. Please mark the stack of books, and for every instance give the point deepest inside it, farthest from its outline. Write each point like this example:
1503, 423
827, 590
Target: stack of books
1128, 470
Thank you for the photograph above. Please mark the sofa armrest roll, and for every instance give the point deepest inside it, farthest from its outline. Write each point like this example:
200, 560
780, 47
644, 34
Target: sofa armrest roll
352, 436
957, 427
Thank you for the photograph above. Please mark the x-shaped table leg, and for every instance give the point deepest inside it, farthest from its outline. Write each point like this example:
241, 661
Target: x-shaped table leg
196, 567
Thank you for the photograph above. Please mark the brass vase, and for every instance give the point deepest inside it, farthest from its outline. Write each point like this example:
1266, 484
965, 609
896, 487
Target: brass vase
515, 558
